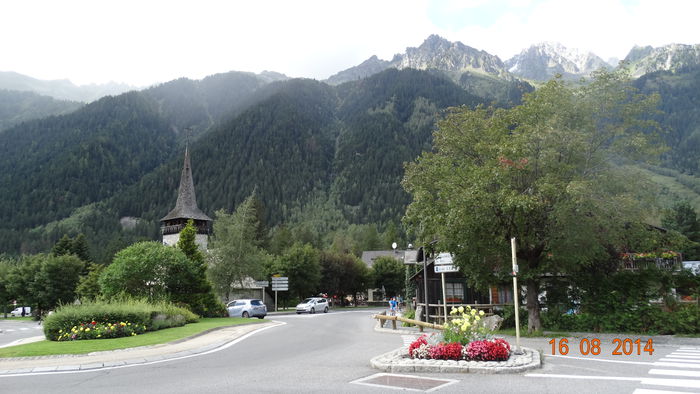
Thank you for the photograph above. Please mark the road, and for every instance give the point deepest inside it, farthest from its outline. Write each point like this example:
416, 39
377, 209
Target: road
331, 352
12, 331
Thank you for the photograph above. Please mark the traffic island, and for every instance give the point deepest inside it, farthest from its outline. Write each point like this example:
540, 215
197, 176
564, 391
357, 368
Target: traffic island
399, 361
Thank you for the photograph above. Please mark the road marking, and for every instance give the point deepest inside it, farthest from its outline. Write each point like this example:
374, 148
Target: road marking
222, 347
679, 365
674, 372
604, 360
587, 377
650, 391
677, 355
686, 383
678, 360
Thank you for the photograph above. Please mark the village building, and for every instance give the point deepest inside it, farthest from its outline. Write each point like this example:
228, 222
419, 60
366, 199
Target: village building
185, 209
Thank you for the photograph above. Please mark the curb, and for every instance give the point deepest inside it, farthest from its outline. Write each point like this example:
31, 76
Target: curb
397, 361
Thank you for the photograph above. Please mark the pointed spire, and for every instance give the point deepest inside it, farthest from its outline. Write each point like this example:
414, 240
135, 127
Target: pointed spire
186, 205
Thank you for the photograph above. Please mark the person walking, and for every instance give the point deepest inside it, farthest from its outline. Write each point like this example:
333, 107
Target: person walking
392, 306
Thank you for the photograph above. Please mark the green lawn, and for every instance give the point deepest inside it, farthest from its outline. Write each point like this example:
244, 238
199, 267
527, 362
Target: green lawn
45, 348
15, 318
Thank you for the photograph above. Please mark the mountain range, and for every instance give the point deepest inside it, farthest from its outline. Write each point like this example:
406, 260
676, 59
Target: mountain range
299, 144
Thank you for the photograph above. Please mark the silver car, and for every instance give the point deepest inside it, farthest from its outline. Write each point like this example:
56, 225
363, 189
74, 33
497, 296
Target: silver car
313, 305
247, 308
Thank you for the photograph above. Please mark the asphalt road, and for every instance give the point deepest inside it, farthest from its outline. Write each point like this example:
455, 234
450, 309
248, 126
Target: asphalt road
331, 352
14, 330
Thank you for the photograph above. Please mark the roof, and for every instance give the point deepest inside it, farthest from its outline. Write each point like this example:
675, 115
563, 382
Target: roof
186, 205
369, 256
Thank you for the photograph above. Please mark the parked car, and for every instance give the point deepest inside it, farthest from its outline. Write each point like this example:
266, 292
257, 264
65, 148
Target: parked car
313, 305
18, 311
247, 308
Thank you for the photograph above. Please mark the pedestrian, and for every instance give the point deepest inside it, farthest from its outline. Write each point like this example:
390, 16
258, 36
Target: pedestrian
392, 306
23, 312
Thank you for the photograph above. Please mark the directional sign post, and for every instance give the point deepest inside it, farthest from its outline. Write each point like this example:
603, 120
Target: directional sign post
443, 263
279, 283
263, 284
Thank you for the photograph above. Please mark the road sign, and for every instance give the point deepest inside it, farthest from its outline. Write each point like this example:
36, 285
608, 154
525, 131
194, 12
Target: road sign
443, 259
262, 283
280, 283
446, 268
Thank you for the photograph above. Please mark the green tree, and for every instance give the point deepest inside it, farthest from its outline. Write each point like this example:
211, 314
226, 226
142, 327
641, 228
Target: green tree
234, 252
683, 218
389, 273
200, 295
301, 264
151, 270
541, 172
89, 285
45, 281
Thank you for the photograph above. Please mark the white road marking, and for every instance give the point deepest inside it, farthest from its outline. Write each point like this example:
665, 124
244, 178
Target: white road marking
604, 360
675, 372
650, 391
686, 383
678, 365
677, 355
677, 360
222, 347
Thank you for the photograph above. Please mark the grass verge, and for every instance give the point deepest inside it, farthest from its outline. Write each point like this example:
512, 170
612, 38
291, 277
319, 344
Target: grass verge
47, 348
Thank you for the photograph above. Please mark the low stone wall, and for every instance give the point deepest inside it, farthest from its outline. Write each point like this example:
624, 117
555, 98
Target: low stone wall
398, 361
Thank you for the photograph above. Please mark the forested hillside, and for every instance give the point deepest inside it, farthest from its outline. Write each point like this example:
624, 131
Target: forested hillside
302, 145
17, 107
679, 114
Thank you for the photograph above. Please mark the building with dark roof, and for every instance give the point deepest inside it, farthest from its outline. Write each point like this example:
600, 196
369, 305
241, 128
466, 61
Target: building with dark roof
185, 209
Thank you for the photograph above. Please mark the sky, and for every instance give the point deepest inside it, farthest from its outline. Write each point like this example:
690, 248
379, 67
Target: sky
144, 42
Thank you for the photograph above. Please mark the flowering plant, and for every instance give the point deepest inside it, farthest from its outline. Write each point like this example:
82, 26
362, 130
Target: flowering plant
96, 330
487, 350
464, 326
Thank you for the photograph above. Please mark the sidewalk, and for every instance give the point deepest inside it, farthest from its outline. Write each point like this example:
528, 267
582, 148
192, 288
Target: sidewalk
198, 344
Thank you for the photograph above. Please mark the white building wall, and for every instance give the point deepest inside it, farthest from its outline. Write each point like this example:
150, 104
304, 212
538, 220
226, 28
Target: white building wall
200, 239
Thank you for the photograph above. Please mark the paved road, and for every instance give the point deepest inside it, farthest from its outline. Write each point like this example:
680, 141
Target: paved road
330, 353
15, 330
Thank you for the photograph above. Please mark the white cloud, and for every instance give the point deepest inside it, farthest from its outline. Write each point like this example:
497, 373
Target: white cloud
141, 42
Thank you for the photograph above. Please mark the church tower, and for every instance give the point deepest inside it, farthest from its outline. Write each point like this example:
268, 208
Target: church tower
185, 209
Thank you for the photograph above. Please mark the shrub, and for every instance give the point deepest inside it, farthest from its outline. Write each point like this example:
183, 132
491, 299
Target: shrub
137, 315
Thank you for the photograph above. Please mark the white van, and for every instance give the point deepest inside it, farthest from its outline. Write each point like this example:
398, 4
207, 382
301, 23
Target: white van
18, 311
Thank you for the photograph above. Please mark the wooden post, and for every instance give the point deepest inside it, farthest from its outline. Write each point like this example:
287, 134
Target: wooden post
515, 294
444, 297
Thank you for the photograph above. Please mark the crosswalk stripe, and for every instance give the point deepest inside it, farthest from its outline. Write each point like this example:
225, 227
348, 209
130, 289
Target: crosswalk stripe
679, 365
651, 391
685, 383
680, 360
674, 372
677, 355
687, 351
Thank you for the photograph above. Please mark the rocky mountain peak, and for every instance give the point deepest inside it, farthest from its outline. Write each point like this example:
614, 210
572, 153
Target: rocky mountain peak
547, 59
672, 57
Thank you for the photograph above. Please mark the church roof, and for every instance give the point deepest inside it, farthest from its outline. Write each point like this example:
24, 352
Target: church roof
186, 205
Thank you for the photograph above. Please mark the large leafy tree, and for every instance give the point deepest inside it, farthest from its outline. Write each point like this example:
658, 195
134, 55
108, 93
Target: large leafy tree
389, 273
235, 249
342, 274
151, 270
548, 172
301, 265
45, 281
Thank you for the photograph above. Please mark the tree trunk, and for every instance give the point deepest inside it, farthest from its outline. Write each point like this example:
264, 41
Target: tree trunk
533, 306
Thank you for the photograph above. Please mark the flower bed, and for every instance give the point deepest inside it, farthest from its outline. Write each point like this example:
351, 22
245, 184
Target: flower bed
95, 330
480, 350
